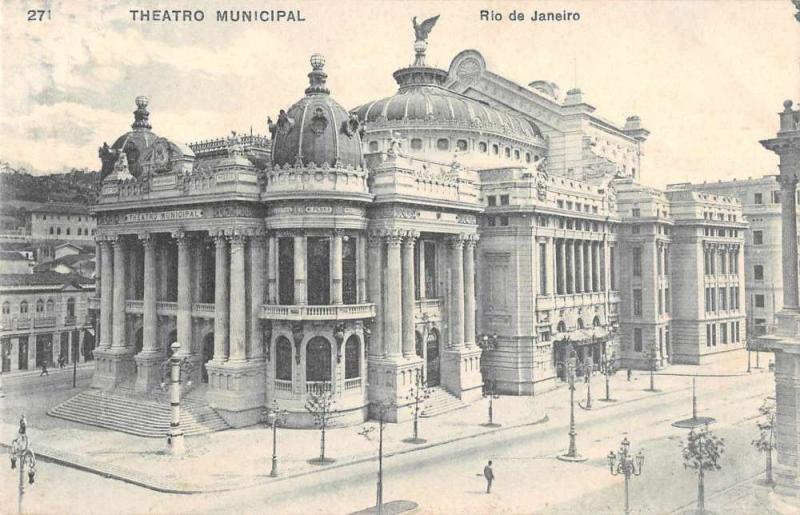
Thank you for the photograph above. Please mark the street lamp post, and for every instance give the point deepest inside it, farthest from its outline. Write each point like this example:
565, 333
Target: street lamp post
625, 463
172, 367
588, 370
274, 417
572, 452
490, 389
608, 370
21, 451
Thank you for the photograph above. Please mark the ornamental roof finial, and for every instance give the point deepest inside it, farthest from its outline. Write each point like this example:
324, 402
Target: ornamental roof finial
141, 115
317, 76
421, 32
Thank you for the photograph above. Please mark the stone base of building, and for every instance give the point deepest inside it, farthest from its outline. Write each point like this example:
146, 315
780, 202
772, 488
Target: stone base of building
643, 364
461, 373
342, 418
679, 358
391, 380
112, 367
525, 388
237, 391
148, 371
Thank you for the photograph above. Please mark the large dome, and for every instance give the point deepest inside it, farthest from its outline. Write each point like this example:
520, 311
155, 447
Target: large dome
133, 143
316, 129
435, 105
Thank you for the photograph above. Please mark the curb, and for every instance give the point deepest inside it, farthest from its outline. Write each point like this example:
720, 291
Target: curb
130, 477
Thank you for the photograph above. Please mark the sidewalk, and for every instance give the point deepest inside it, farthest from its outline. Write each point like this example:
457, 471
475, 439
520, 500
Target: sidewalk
240, 458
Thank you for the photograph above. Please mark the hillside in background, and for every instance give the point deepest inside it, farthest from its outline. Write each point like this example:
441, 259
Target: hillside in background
78, 186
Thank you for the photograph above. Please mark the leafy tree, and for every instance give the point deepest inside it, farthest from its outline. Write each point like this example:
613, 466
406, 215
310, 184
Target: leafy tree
766, 435
701, 452
322, 406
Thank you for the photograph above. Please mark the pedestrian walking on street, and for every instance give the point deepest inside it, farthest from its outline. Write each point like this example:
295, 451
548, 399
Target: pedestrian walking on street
489, 475
629, 374
44, 370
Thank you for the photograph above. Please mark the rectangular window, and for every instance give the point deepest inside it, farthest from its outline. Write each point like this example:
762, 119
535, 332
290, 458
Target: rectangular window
738, 334
759, 301
723, 263
637, 339
708, 301
503, 221
492, 200
634, 229
504, 200
776, 197
659, 263
758, 237
637, 302
613, 267
660, 301
286, 271
708, 335
713, 299
637, 261
733, 298
490, 221
758, 272
666, 300
714, 335
636, 212
543, 268
723, 299
430, 270
723, 333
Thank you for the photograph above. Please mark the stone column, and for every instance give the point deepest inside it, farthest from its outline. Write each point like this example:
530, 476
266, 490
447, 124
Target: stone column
272, 269
421, 268
149, 313
457, 291
221, 299
184, 308
375, 273
562, 267
361, 268
118, 338
580, 267
469, 290
258, 265
106, 295
551, 266
590, 266
198, 259
393, 314
336, 266
98, 267
300, 269
237, 315
409, 338
788, 182
571, 271
597, 268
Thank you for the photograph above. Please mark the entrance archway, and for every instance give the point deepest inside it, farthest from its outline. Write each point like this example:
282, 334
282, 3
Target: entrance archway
208, 355
432, 362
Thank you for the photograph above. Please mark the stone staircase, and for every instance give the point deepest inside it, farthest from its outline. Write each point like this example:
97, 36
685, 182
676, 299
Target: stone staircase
441, 401
124, 410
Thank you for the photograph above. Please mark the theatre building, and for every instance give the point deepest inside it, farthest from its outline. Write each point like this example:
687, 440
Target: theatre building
464, 228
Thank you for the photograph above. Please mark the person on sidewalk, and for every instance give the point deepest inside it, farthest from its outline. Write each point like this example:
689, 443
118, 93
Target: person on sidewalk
489, 475
629, 374
44, 370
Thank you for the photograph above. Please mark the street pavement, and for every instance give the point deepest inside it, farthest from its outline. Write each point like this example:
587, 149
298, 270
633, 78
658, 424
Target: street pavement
447, 478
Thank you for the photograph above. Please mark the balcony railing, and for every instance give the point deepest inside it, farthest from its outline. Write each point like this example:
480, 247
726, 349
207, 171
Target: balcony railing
166, 308
69, 320
283, 386
203, 309
331, 312
134, 306
352, 384
318, 387
44, 322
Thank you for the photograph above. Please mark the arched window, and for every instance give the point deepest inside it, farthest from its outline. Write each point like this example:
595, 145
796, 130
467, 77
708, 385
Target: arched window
483, 147
6, 308
67, 231
580, 323
283, 359
507, 152
516, 155
527, 157
443, 144
416, 144
495, 150
461, 145
562, 327
58, 230
23, 306
352, 358
596, 322
70, 307
79, 231
373, 146
40, 306
51, 230
50, 305
318, 360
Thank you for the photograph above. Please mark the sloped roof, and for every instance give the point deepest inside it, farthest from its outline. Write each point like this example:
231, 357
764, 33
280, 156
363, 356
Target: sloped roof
6, 255
44, 279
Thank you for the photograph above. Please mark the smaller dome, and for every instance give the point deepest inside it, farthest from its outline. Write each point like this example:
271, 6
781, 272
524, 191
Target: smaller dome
134, 143
316, 129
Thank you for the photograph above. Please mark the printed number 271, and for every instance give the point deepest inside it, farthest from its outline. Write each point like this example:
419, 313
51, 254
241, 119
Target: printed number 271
38, 14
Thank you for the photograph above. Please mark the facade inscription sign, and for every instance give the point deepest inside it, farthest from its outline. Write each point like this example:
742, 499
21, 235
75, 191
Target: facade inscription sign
161, 216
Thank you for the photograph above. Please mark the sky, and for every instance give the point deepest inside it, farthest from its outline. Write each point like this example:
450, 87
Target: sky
707, 78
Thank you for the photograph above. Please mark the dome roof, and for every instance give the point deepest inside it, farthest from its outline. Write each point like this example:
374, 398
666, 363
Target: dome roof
316, 129
133, 143
436, 105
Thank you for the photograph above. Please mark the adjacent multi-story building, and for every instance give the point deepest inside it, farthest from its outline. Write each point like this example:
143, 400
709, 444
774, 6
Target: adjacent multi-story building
761, 207
645, 275
707, 251
45, 318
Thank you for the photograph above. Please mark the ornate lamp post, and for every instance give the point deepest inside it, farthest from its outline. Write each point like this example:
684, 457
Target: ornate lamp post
608, 369
625, 463
275, 416
570, 365
172, 366
21, 451
587, 367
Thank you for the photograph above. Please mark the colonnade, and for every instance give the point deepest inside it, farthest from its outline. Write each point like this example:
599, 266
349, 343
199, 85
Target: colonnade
579, 266
391, 287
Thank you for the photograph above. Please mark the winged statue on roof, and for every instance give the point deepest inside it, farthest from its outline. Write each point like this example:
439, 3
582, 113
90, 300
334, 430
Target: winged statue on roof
421, 30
